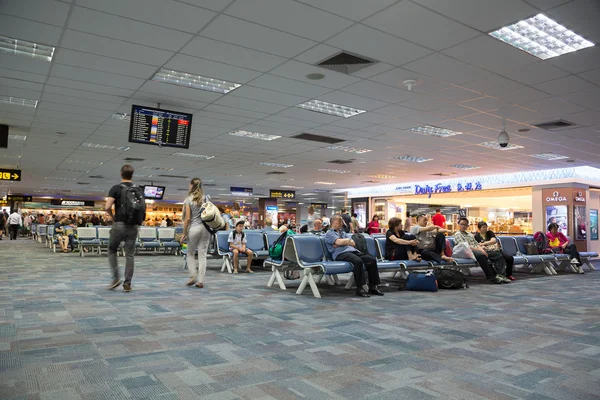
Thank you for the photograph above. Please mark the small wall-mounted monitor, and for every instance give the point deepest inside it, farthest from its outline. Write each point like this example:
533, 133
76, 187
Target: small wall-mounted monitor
3, 136
160, 127
154, 192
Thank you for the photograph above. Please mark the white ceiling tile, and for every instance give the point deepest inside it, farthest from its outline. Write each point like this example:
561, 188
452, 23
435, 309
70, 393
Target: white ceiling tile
447, 69
86, 20
425, 117
215, 5
485, 104
456, 94
50, 110
296, 87
317, 54
32, 31
231, 54
359, 39
297, 70
555, 107
523, 95
585, 118
592, 76
372, 70
581, 16
98, 63
520, 114
352, 9
351, 100
489, 53
85, 94
19, 92
154, 98
219, 109
484, 15
102, 46
454, 111
568, 84
75, 101
97, 77
579, 61
189, 19
381, 92
293, 121
16, 83
289, 16
48, 12
211, 69
248, 104
547, 4
257, 37
395, 111
269, 96
179, 92
22, 75
586, 98
20, 64
373, 117
423, 102
493, 85
396, 77
420, 25
458, 126
535, 73
299, 113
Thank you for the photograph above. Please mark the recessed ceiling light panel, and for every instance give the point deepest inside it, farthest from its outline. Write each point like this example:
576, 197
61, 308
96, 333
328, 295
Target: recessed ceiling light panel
194, 81
549, 156
26, 49
16, 101
277, 165
121, 116
410, 158
495, 145
465, 167
542, 37
383, 176
434, 131
325, 183
349, 149
200, 156
334, 171
17, 137
254, 135
330, 108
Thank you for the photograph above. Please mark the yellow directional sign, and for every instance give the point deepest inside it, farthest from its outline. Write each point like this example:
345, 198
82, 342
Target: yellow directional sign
285, 194
10, 174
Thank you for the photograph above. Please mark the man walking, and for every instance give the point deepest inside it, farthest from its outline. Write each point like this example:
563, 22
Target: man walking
130, 212
13, 222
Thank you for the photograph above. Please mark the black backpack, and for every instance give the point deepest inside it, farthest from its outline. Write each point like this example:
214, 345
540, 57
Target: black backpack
450, 279
133, 205
360, 243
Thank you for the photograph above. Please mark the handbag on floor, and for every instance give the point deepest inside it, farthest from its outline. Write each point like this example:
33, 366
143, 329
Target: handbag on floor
422, 281
450, 279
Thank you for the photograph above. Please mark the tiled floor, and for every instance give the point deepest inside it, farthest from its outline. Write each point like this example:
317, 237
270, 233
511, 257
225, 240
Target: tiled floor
62, 336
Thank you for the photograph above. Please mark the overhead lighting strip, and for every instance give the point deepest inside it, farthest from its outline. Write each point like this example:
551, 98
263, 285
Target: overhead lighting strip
194, 81
434, 131
549, 156
495, 145
27, 49
17, 101
463, 166
277, 165
414, 159
254, 135
542, 37
349, 149
324, 107
334, 171
199, 156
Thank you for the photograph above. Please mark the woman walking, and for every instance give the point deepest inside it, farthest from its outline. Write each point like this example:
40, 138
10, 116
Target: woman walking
196, 233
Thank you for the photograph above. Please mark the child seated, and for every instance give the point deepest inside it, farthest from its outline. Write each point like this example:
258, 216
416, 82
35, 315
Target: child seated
237, 244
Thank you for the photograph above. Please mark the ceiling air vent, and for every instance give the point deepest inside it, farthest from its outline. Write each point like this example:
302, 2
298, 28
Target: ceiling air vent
346, 63
133, 159
340, 161
96, 177
208, 184
317, 138
83, 183
276, 173
441, 174
557, 125
173, 176
370, 181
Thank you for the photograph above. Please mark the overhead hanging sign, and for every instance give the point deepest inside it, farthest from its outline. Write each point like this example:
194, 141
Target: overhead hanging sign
319, 206
282, 194
72, 203
10, 175
18, 197
441, 188
241, 191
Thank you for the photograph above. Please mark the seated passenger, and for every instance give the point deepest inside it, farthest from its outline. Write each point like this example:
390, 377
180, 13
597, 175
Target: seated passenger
341, 247
400, 245
487, 239
483, 257
317, 227
432, 241
237, 244
60, 236
304, 229
268, 225
558, 242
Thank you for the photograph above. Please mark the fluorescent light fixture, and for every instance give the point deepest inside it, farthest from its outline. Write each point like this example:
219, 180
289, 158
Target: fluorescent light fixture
412, 158
549, 156
223, 174
382, 176
310, 194
325, 183
121, 116
291, 187
463, 166
434, 131
73, 170
495, 145
330, 108
201, 156
56, 178
105, 146
254, 135
17, 137
194, 81
16, 101
277, 165
70, 161
542, 37
334, 171
26, 49
349, 149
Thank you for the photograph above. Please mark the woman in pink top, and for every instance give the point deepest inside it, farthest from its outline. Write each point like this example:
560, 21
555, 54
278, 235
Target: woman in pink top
558, 241
373, 226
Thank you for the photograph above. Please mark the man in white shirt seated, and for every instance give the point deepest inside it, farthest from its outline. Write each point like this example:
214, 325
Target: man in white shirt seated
432, 241
237, 244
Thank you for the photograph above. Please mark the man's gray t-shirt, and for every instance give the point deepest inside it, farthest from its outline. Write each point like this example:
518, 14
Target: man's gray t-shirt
426, 239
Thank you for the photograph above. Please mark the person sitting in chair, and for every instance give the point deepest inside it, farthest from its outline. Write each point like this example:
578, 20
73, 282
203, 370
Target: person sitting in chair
317, 227
237, 244
558, 242
487, 239
432, 241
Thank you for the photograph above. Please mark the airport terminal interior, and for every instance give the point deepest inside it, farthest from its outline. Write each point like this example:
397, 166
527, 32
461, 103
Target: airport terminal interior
291, 111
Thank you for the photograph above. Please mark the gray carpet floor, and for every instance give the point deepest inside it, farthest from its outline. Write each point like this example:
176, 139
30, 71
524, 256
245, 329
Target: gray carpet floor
63, 336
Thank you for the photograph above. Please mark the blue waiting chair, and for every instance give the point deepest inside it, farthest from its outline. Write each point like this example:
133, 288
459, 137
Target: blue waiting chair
147, 238
166, 238
223, 251
586, 256
87, 237
553, 261
537, 264
403, 264
41, 233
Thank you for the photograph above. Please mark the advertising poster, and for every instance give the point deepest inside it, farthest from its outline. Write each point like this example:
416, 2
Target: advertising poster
594, 224
580, 226
558, 214
360, 208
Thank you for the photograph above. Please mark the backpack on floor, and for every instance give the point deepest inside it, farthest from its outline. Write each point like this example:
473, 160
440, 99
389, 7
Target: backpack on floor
133, 205
541, 242
360, 243
450, 279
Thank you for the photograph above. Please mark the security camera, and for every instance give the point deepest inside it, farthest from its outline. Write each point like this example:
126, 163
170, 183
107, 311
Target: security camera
503, 139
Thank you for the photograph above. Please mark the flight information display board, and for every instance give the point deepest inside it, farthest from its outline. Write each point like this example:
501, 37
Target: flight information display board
160, 127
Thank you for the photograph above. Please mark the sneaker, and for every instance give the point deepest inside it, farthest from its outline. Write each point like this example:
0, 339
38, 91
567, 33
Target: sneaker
127, 287
580, 270
574, 261
512, 278
505, 280
115, 284
497, 279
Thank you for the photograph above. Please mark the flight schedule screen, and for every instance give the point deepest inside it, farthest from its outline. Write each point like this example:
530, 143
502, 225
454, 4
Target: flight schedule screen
160, 127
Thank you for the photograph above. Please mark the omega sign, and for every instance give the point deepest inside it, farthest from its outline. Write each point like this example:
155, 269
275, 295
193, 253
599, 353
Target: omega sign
556, 197
579, 197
